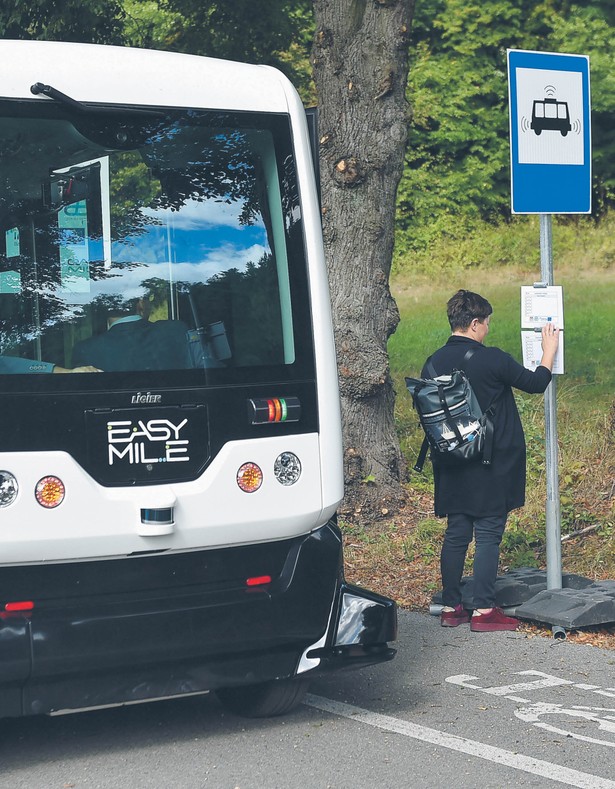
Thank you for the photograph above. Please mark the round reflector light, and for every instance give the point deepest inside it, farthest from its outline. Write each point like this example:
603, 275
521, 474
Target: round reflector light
249, 477
49, 492
8, 488
287, 468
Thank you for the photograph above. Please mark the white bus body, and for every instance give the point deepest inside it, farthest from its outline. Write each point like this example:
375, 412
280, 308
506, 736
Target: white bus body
167, 506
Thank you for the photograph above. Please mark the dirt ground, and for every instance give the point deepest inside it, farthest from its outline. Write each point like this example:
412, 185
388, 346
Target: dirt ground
378, 557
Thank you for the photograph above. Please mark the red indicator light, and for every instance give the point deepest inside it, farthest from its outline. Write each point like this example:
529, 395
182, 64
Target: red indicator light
274, 410
24, 605
258, 580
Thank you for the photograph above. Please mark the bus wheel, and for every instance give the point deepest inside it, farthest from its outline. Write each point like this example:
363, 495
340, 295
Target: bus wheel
265, 700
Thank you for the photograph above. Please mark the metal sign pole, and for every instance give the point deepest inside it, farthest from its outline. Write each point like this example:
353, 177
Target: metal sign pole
549, 96
553, 514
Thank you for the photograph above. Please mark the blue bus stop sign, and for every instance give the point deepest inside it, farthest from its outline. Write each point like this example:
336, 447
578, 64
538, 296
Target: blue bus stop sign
550, 133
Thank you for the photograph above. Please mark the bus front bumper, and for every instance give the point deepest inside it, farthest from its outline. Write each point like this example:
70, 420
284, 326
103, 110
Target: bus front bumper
112, 635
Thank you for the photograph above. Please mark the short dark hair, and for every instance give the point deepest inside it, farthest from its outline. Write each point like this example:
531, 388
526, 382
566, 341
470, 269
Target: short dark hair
464, 306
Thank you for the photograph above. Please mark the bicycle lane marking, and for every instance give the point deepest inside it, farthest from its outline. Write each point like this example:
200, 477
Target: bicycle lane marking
603, 717
516, 761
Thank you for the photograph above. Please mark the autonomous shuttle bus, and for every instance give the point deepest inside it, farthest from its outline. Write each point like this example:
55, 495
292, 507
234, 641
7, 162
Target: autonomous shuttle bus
170, 443
550, 114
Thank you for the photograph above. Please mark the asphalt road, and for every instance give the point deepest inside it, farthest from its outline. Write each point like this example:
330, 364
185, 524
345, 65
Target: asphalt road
454, 709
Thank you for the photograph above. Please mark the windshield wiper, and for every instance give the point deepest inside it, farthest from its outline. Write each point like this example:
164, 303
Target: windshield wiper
121, 128
56, 95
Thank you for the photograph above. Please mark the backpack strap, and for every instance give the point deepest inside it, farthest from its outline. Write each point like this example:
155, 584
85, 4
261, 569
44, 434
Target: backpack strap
446, 410
488, 424
469, 354
420, 460
430, 368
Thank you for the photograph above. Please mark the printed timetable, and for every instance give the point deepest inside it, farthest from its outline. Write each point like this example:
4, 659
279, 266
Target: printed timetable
541, 304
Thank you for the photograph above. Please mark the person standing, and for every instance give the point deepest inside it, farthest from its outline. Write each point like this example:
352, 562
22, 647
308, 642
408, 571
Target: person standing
477, 498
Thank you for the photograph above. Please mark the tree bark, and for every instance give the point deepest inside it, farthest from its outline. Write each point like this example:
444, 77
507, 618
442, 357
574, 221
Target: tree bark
360, 60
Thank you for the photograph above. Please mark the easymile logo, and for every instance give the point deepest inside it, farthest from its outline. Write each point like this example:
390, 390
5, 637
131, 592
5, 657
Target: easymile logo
141, 398
136, 440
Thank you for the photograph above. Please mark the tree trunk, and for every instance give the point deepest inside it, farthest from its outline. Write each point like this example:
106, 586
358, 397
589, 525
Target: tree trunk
360, 60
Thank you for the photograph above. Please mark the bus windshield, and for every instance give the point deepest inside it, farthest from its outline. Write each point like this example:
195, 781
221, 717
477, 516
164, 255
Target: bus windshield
136, 240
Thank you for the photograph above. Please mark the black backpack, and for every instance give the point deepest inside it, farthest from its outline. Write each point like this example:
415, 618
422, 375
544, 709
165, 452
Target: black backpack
456, 429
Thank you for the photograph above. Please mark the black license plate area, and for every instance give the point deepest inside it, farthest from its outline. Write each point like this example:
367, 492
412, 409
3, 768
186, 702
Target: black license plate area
147, 445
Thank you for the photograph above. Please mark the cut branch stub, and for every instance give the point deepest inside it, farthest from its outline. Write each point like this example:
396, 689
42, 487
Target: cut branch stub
349, 172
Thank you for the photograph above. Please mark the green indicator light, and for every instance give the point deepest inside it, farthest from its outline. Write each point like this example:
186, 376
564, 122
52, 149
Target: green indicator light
284, 409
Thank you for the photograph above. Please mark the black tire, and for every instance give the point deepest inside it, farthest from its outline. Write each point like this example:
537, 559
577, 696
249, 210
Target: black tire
265, 700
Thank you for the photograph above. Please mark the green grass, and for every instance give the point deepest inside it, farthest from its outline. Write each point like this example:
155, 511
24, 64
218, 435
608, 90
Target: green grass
499, 264
589, 310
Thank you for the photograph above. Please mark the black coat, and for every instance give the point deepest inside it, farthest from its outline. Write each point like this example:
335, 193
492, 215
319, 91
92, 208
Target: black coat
475, 489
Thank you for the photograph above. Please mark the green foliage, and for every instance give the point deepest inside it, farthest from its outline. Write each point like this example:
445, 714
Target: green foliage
520, 542
96, 21
273, 32
531, 411
150, 26
510, 245
425, 540
457, 165
588, 31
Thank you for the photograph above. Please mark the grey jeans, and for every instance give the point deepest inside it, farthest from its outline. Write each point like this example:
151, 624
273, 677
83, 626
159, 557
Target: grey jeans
487, 533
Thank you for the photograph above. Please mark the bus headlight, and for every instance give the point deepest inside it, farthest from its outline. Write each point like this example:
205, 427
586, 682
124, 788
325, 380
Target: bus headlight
8, 488
287, 468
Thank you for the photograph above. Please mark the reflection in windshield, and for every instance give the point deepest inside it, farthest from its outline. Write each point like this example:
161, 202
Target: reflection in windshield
146, 244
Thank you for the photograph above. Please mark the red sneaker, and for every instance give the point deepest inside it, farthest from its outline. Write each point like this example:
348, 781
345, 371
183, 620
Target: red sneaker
496, 619
454, 618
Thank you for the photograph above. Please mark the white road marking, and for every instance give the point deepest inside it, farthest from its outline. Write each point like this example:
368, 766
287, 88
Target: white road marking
598, 715
516, 761
547, 681
533, 713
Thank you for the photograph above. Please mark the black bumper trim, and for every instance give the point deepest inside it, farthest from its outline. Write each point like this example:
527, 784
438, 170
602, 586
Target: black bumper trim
74, 653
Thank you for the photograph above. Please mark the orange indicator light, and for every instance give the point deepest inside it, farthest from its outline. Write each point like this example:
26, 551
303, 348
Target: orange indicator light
249, 477
49, 492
